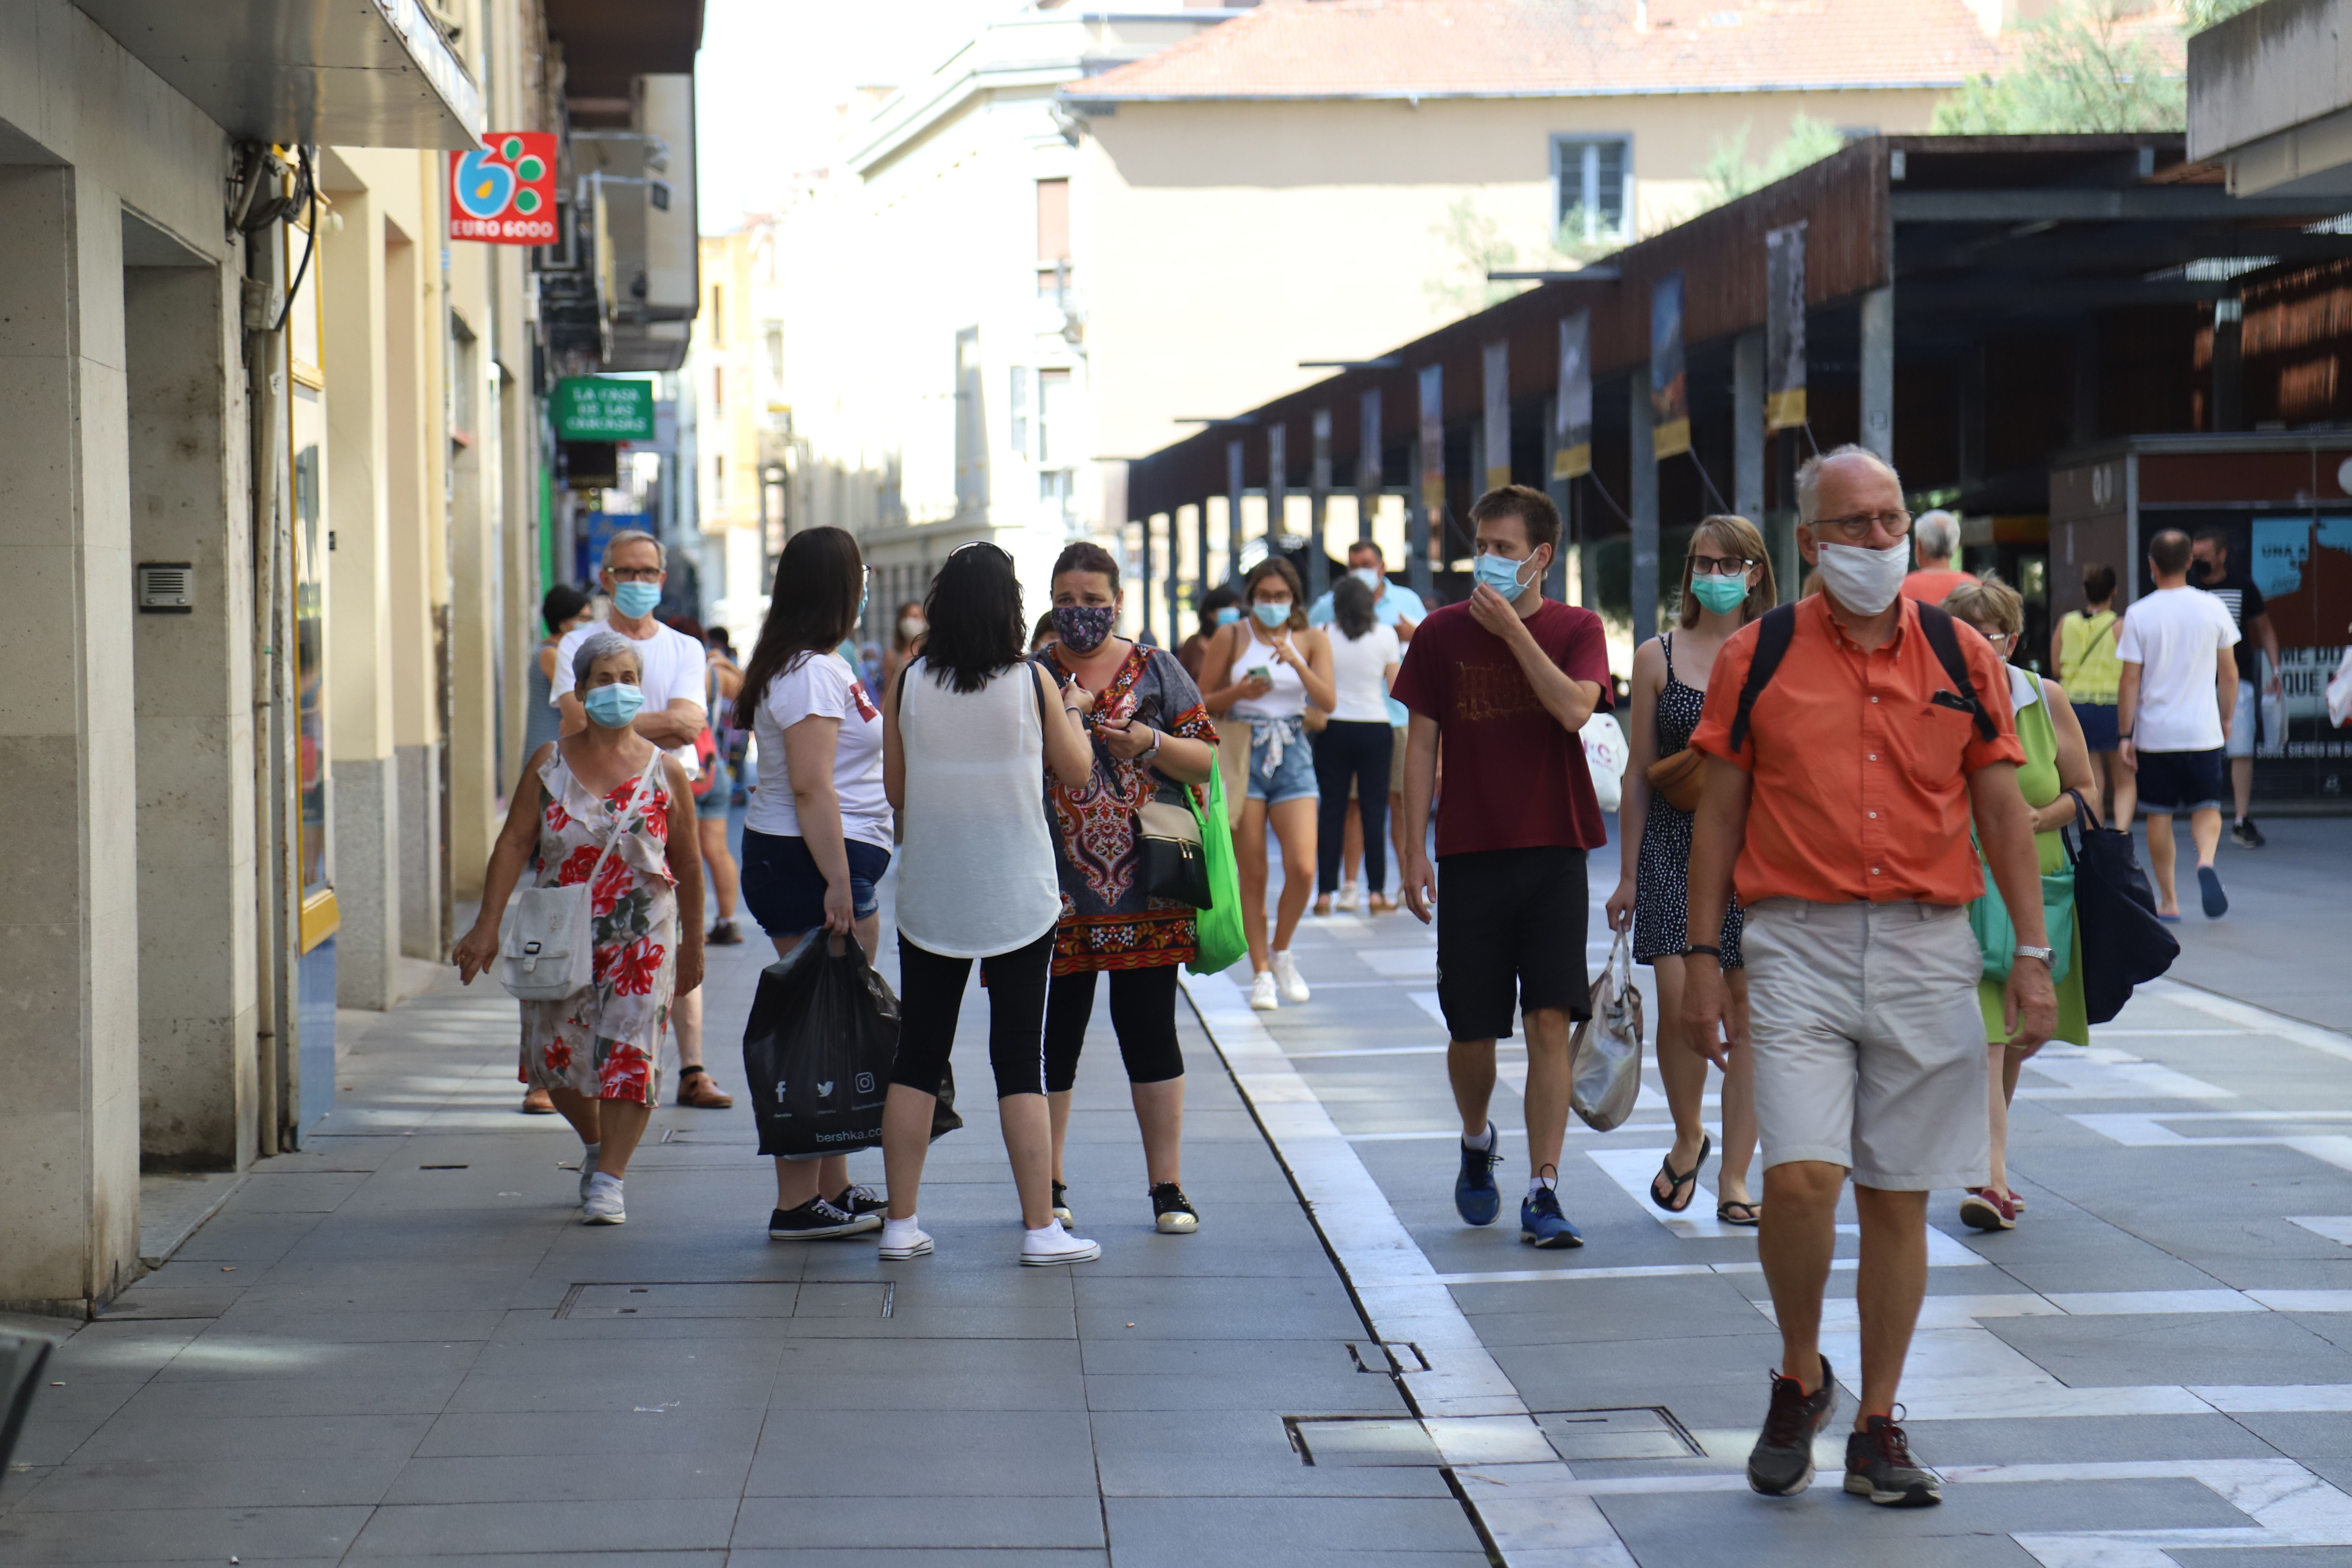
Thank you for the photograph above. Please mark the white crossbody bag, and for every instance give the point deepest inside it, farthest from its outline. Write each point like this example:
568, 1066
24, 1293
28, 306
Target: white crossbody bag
547, 941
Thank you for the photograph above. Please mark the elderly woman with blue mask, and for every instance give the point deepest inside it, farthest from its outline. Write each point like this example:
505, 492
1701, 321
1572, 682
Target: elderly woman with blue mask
603, 788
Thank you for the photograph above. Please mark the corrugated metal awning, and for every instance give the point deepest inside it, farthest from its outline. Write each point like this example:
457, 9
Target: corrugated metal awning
354, 73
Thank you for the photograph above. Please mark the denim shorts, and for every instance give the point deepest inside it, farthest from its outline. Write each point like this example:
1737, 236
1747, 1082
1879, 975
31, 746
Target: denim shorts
711, 805
1290, 778
785, 892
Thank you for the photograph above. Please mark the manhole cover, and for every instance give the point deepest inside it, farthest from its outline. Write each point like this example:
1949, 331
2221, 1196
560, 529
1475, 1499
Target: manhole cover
726, 1299
1344, 1442
1647, 1432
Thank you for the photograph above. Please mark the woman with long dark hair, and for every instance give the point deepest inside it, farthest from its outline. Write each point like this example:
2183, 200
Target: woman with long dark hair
1354, 747
816, 838
1263, 671
969, 730
1151, 742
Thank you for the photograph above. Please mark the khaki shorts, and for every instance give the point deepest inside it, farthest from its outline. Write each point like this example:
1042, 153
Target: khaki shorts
1869, 1042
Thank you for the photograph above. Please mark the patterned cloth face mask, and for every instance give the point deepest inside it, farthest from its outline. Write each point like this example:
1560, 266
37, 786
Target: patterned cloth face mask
1083, 627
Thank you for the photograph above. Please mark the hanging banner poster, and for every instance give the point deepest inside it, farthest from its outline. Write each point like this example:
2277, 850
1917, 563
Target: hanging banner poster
1669, 391
503, 193
1433, 447
1784, 328
1496, 425
1572, 407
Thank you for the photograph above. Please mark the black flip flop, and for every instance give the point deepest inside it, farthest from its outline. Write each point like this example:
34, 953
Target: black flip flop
1747, 1215
1676, 1184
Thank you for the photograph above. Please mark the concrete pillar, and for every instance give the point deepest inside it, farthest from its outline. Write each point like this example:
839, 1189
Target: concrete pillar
1368, 463
476, 623
1878, 372
69, 1032
1233, 508
1318, 502
1418, 527
1748, 426
417, 562
198, 993
1643, 508
1201, 581
365, 775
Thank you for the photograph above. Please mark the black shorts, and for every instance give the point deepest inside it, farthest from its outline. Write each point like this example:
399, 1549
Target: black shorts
785, 892
2180, 781
1510, 930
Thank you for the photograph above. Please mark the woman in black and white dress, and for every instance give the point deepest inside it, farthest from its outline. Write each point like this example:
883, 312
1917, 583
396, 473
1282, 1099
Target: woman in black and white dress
1726, 582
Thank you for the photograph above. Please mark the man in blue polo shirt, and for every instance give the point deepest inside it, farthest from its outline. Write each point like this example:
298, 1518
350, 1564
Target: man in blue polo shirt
1402, 608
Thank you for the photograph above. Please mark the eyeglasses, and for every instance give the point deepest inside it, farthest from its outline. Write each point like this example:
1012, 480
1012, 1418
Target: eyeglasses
1718, 565
1895, 523
636, 573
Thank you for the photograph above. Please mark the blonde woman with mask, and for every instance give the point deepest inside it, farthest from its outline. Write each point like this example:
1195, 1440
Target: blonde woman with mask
1726, 582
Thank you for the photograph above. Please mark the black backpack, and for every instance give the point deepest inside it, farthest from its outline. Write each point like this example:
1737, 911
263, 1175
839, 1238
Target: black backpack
1779, 629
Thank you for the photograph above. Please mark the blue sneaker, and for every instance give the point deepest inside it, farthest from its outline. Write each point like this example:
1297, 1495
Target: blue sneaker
1475, 1197
1542, 1225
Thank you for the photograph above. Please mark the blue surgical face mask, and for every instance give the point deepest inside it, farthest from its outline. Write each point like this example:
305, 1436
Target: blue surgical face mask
1502, 574
1369, 577
1272, 616
1229, 615
637, 599
1721, 594
613, 706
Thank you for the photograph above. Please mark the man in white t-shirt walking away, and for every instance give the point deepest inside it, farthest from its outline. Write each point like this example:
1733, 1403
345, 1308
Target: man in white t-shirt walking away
674, 663
2173, 707
1399, 609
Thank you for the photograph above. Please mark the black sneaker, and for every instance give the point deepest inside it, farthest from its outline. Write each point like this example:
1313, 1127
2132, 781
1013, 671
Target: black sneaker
1171, 1211
1781, 1463
816, 1220
1062, 1206
1878, 1466
2244, 834
724, 934
859, 1200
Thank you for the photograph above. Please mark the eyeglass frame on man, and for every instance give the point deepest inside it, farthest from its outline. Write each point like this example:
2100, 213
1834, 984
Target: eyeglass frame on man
1858, 525
636, 573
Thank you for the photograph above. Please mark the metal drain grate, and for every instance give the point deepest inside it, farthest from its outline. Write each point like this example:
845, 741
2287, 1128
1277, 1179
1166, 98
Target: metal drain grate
1643, 1432
742, 1298
1360, 1441
1392, 1358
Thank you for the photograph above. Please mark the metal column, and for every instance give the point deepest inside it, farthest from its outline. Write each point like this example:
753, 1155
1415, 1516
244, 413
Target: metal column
1319, 498
1233, 508
1367, 464
1878, 372
1645, 507
1748, 426
1143, 581
1277, 492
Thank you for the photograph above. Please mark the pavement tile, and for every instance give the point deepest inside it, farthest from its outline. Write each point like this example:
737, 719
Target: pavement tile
292, 1396
613, 1386
1232, 1453
179, 1535
562, 1478
919, 1557
104, 1486
967, 1523
607, 1524
1194, 1308
359, 1438
2227, 1348
1181, 1532
519, 1433
973, 1453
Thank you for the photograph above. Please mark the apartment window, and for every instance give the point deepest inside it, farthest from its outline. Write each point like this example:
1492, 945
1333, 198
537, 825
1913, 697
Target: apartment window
718, 317
719, 484
1590, 178
1054, 411
1053, 235
776, 354
1018, 406
719, 392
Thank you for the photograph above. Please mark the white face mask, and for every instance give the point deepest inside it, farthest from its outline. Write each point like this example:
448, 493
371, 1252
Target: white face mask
1369, 577
1864, 581
910, 626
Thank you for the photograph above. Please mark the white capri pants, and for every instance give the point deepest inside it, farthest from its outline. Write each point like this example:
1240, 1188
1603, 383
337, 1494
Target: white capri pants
1869, 1042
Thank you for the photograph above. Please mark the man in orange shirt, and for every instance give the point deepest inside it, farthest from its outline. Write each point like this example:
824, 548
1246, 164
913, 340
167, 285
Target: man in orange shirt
1937, 535
1851, 739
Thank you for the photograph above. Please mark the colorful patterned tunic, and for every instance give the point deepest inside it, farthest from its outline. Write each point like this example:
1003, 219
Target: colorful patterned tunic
1108, 923
605, 1043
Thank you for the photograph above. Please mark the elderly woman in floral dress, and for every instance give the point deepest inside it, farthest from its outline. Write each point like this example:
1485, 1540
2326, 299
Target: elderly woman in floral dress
598, 1054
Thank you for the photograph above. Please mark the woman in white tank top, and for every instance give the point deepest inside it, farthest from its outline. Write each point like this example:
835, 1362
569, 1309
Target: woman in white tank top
1262, 672
969, 731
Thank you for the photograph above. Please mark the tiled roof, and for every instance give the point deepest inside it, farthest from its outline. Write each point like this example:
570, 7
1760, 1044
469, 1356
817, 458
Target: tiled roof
1438, 48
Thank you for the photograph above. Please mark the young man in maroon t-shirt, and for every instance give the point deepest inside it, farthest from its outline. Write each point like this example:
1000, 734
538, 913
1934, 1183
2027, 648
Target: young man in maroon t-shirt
1503, 683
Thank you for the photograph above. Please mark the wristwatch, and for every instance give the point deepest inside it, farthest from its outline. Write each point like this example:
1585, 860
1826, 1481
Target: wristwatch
1152, 750
2026, 950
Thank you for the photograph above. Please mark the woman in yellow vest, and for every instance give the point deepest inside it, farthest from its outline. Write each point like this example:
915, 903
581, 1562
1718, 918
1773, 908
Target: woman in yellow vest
2083, 652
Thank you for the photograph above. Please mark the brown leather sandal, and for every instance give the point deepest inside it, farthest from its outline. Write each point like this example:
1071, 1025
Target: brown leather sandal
698, 1089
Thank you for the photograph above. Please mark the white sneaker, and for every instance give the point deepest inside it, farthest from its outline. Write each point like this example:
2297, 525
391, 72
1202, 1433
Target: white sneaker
588, 1155
902, 1239
1345, 903
1262, 993
1044, 1248
1286, 976
602, 1205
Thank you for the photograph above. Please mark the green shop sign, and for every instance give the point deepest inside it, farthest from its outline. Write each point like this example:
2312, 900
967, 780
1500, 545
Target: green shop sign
599, 408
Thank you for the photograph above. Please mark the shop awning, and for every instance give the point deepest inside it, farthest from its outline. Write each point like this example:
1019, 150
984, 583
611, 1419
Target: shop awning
356, 73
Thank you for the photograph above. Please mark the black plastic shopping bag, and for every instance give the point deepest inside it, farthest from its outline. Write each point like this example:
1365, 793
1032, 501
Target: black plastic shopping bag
2122, 942
817, 1050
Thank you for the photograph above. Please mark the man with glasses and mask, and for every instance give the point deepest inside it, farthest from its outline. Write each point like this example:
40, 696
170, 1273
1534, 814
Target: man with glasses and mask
673, 664
1503, 683
1850, 739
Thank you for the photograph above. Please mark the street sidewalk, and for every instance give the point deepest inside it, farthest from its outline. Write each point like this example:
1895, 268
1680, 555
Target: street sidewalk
399, 1346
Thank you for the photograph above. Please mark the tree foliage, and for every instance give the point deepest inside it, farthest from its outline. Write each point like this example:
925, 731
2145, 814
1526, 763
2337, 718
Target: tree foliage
1730, 175
2084, 66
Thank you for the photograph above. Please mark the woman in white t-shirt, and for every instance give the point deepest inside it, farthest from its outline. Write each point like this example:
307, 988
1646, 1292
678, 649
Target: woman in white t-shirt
816, 838
1354, 746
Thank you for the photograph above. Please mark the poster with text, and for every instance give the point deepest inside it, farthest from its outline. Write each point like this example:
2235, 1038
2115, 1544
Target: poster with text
1784, 328
1669, 390
1432, 450
503, 193
1496, 423
1572, 409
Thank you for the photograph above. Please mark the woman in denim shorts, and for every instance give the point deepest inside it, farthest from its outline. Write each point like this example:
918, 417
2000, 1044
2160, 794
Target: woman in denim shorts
1261, 673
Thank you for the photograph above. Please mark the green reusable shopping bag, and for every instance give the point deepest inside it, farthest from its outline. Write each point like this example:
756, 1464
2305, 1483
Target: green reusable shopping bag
1997, 938
1221, 939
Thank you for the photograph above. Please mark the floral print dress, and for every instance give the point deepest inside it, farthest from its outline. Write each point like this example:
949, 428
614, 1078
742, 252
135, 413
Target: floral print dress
605, 1043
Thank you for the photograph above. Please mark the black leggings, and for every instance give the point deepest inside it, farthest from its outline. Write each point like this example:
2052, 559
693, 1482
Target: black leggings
1142, 1014
1360, 747
930, 995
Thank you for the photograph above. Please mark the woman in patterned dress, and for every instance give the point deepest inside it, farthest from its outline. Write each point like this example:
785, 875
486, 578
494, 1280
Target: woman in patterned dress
598, 1055
1152, 737
1726, 582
